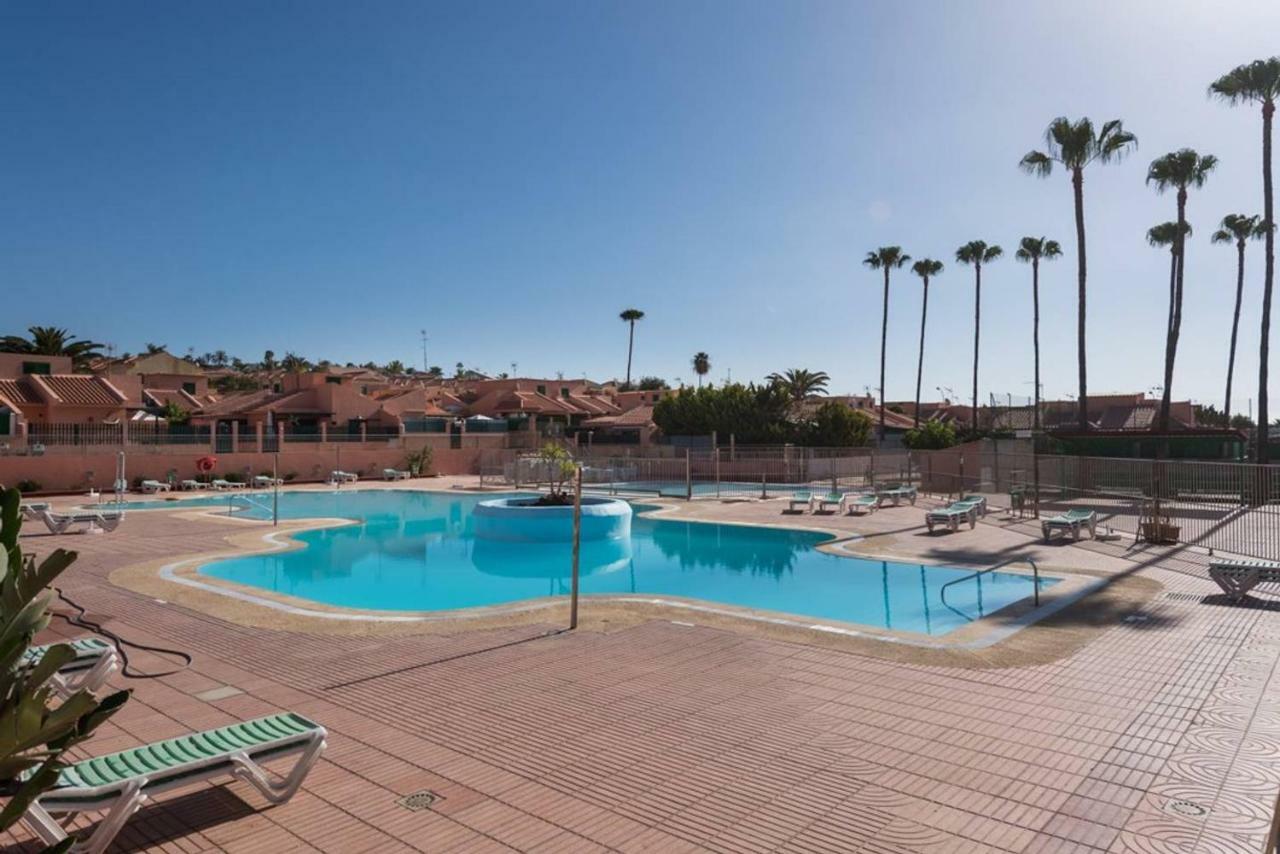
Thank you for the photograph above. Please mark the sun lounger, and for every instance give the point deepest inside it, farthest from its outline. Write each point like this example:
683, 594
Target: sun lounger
343, 477
801, 498
31, 510
978, 501
221, 484
952, 516
896, 492
832, 499
93, 665
92, 520
188, 485
1071, 521
267, 480
395, 474
1238, 577
866, 502
120, 783
151, 487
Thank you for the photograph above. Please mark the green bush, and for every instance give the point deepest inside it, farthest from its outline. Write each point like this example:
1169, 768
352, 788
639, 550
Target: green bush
29, 486
290, 475
835, 425
932, 435
233, 477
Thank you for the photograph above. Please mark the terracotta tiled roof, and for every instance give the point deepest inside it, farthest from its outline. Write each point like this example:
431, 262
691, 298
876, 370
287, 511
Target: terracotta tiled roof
80, 389
18, 392
178, 397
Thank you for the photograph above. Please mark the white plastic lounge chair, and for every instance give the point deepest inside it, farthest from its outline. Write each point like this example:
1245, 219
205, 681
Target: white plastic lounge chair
267, 480
1238, 577
92, 520
1071, 521
395, 474
952, 516
188, 485
896, 492
801, 498
866, 502
93, 665
120, 783
337, 476
151, 487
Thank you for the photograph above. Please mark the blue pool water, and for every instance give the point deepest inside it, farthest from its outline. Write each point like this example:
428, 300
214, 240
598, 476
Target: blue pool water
415, 551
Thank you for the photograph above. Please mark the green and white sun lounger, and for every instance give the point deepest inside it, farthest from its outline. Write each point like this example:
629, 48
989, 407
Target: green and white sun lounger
220, 484
92, 520
1238, 577
188, 485
830, 499
978, 501
865, 502
896, 492
120, 783
31, 510
1071, 521
395, 474
343, 477
151, 487
93, 665
952, 516
801, 498
267, 480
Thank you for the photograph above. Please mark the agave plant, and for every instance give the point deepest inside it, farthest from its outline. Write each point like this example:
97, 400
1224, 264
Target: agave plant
35, 729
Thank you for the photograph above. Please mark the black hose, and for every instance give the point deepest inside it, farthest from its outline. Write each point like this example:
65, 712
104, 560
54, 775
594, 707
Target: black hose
120, 643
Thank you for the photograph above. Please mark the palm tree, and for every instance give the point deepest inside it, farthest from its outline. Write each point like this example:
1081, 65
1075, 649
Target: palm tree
630, 316
294, 364
1237, 229
1179, 170
152, 349
924, 268
977, 253
800, 382
701, 366
52, 341
1166, 234
885, 258
1259, 81
1075, 145
269, 360
1031, 250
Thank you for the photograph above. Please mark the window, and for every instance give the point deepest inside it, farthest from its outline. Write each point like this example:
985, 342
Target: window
36, 368
189, 388
564, 392
275, 387
333, 380
542, 389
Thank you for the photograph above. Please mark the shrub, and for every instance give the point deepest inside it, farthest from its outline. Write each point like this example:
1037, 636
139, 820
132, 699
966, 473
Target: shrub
418, 462
932, 435
37, 730
835, 425
290, 475
233, 477
30, 486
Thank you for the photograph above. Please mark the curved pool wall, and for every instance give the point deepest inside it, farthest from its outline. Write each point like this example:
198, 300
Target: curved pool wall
520, 520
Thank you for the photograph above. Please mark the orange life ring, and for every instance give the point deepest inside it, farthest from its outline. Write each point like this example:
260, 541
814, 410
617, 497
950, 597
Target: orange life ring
206, 464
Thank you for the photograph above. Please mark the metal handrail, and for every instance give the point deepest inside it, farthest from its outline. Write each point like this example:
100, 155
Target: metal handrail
1035, 572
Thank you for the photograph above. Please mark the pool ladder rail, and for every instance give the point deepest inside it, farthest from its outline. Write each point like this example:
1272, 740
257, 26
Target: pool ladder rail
1035, 572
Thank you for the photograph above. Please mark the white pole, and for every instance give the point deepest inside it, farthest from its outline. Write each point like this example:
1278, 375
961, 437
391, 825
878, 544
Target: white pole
275, 495
577, 541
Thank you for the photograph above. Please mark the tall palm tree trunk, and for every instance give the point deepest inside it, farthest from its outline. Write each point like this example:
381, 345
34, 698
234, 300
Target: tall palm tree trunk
631, 343
1268, 280
1235, 328
924, 313
977, 331
1077, 187
1175, 329
884, 337
1035, 341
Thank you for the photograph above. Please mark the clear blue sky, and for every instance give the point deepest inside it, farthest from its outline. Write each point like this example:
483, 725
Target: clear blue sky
330, 177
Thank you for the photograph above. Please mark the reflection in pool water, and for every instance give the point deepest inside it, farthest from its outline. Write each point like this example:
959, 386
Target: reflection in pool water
414, 551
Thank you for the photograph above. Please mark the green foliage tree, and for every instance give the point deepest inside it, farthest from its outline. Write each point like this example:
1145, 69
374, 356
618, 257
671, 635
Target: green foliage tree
751, 413
1178, 170
933, 435
1032, 250
976, 253
559, 467
35, 731
799, 383
925, 268
835, 425
1237, 229
52, 341
1259, 82
1074, 146
630, 316
395, 367
294, 364
269, 360
651, 383
701, 365
175, 414
418, 462
885, 258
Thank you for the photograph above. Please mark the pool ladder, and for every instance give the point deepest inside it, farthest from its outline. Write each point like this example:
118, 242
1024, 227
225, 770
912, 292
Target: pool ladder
1035, 572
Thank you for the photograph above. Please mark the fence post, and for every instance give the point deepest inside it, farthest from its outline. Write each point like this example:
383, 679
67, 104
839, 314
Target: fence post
688, 477
764, 491
961, 492
717, 453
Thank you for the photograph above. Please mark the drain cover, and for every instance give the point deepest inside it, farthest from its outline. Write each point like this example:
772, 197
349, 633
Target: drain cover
419, 800
1136, 618
1188, 809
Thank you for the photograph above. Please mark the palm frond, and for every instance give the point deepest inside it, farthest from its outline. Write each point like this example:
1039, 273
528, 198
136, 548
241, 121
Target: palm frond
1036, 163
1254, 81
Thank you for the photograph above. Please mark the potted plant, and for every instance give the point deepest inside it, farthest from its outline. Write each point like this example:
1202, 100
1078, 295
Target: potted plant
1160, 530
558, 467
418, 462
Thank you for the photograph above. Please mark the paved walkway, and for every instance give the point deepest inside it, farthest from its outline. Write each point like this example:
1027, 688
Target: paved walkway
1161, 735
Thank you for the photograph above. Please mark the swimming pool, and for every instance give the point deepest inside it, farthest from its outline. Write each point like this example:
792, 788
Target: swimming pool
416, 551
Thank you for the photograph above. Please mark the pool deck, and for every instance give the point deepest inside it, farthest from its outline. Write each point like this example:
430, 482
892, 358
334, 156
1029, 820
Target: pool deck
653, 735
